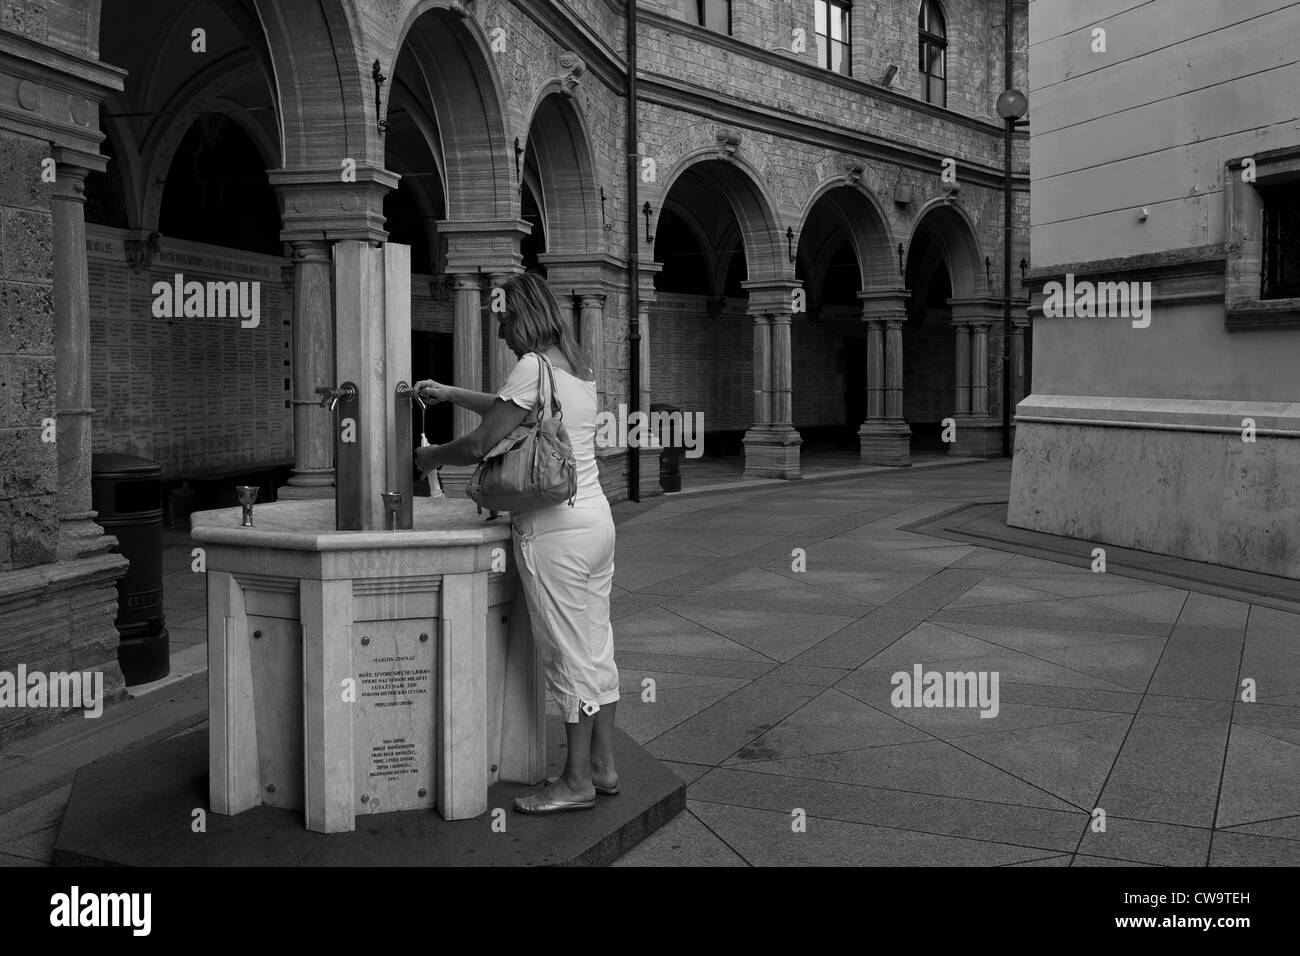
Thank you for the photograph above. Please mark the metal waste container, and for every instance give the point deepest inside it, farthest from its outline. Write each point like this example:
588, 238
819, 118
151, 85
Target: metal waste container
126, 490
670, 438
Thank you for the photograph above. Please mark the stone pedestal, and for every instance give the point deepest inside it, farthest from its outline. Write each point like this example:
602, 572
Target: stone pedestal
368, 671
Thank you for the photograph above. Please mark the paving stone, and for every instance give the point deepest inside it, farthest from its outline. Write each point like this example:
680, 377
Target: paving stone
764, 838
1102, 861
1231, 848
1047, 861
1141, 841
1261, 778
1284, 829
1049, 829
1168, 771
683, 841
858, 642
688, 772
660, 631
774, 634
717, 732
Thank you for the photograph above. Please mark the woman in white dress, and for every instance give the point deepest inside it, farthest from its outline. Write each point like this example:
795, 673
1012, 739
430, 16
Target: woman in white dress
564, 554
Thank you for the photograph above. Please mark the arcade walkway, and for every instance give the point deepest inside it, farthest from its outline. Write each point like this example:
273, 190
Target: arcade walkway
1117, 691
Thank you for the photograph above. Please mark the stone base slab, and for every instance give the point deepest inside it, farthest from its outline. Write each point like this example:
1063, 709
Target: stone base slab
885, 442
977, 438
1172, 477
772, 453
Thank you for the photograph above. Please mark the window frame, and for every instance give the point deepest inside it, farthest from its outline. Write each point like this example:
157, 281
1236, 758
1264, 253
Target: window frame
845, 10
701, 8
927, 42
1244, 231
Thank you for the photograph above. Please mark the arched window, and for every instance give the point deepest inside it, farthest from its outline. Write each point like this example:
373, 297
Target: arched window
934, 54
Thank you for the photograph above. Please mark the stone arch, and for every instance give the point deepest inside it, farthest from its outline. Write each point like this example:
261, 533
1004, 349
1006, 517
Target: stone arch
950, 227
853, 207
742, 188
205, 93
560, 146
458, 79
323, 86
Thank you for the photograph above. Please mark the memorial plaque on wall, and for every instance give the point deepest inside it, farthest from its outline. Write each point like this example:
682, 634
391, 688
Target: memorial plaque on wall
395, 718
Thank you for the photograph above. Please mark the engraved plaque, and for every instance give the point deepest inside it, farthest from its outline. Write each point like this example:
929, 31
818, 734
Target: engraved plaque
395, 715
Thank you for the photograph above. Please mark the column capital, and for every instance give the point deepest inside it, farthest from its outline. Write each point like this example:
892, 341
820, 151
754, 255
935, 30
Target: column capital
982, 309
770, 295
77, 162
881, 304
318, 204
485, 245
310, 250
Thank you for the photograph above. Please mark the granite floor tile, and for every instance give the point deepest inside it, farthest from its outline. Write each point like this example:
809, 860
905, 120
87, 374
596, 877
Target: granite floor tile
856, 643
680, 664
688, 772
1046, 861
1167, 771
8, 859
683, 841
1231, 848
828, 723
1288, 828
1048, 829
933, 767
1200, 662
660, 631
774, 634
644, 721
765, 838
1102, 861
1261, 778
40, 813
717, 732
1070, 760
1047, 615
1160, 844
810, 674
1128, 664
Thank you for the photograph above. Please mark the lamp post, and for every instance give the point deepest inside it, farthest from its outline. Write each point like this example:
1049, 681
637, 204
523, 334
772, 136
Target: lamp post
1012, 105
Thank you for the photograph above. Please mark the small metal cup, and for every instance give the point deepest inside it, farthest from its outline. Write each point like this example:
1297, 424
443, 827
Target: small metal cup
247, 495
392, 508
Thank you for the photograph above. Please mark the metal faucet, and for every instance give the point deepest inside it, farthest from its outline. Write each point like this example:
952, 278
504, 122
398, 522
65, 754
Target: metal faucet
331, 396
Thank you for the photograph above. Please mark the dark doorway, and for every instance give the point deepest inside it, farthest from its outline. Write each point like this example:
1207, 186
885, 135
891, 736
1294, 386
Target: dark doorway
431, 357
855, 385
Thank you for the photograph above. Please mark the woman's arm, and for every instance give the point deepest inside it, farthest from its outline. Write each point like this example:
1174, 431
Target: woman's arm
477, 402
499, 420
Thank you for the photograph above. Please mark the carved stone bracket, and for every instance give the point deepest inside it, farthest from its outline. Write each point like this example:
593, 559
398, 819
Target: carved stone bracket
853, 170
728, 142
574, 66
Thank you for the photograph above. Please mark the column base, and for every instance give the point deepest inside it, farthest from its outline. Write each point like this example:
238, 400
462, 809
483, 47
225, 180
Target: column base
885, 441
772, 451
977, 438
320, 485
81, 537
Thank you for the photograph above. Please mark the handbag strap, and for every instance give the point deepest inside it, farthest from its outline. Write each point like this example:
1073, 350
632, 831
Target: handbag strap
557, 410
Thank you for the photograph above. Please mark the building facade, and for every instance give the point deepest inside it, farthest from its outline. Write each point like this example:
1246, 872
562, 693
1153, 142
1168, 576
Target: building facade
1166, 171
818, 213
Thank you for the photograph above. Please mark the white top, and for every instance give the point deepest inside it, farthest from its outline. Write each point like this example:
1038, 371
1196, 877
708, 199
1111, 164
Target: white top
578, 410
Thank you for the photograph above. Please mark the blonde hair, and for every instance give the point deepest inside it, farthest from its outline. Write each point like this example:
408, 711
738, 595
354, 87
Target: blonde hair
538, 321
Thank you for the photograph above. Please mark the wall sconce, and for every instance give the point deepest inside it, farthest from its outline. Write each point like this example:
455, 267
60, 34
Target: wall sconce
900, 260
1144, 214
988, 270
888, 79
789, 241
605, 222
1024, 265
645, 211
377, 75
519, 152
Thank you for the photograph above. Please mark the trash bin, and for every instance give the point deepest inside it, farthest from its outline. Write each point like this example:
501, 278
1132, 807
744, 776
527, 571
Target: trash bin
126, 490
670, 439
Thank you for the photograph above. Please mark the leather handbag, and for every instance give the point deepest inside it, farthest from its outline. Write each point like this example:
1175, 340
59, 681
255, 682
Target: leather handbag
533, 467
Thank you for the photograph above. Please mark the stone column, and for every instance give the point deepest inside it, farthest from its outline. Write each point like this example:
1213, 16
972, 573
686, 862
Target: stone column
1018, 362
78, 533
592, 314
978, 433
313, 366
979, 360
500, 359
884, 438
467, 364
963, 367
772, 442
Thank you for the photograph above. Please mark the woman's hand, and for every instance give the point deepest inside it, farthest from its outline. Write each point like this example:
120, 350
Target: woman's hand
426, 458
431, 392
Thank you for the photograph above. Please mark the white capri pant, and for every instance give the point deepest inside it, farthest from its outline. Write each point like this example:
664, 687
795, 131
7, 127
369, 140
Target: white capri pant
565, 558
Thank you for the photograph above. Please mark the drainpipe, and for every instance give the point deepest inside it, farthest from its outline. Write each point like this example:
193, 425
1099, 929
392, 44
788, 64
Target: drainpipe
633, 254
1006, 238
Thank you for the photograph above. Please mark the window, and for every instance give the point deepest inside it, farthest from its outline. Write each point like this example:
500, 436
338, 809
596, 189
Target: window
934, 54
1281, 274
833, 35
715, 14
